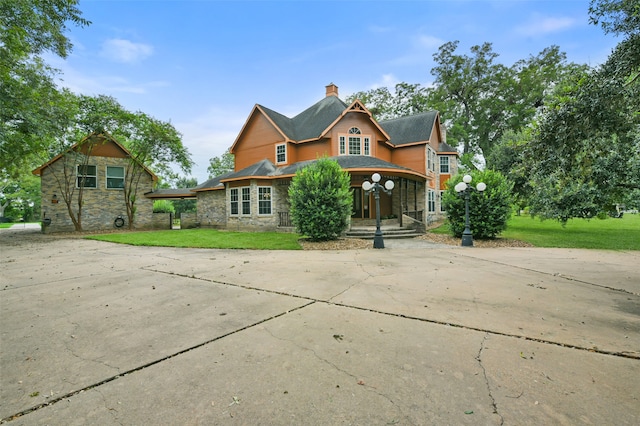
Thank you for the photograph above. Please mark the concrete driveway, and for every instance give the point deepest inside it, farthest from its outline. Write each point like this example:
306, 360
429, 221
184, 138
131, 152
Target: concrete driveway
100, 333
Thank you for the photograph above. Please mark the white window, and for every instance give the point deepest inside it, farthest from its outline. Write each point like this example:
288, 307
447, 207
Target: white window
444, 164
431, 201
264, 200
86, 176
246, 200
281, 153
234, 201
355, 143
431, 159
441, 203
115, 177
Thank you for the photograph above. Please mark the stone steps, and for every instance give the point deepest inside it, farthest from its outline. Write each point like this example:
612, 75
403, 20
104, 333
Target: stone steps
368, 233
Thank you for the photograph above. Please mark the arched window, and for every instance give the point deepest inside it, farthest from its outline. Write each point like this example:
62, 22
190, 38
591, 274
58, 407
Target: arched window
354, 143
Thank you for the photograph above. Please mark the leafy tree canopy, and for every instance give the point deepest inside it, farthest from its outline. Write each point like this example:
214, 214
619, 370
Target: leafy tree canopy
221, 165
30, 101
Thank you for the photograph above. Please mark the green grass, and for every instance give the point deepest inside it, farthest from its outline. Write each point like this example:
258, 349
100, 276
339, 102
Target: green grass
6, 225
607, 234
206, 238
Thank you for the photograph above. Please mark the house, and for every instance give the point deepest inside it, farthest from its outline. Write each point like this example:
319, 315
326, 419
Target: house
95, 169
270, 148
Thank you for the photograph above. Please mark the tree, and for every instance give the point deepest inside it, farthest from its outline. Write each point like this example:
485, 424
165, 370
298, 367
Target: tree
321, 200
30, 103
184, 206
221, 165
489, 211
585, 153
153, 144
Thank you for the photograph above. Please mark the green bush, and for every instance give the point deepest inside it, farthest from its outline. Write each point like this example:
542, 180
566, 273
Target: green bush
163, 206
321, 200
488, 210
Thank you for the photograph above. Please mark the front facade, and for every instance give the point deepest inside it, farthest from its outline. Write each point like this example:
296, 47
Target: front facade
99, 165
270, 148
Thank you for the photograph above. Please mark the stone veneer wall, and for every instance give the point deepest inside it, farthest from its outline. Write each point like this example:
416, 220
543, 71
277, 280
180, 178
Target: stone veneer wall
254, 221
188, 220
212, 209
101, 206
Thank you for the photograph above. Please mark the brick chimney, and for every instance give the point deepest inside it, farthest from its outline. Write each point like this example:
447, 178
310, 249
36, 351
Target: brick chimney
332, 90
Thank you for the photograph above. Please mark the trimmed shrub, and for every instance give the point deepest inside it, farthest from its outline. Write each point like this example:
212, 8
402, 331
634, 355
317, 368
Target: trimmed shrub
320, 200
489, 211
163, 206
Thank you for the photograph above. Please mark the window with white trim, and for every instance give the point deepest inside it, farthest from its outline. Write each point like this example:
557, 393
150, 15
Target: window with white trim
86, 176
442, 209
444, 164
233, 194
246, 200
355, 143
281, 153
431, 159
264, 200
431, 201
115, 177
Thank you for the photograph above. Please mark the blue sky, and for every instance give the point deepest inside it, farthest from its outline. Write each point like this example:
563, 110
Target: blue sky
203, 64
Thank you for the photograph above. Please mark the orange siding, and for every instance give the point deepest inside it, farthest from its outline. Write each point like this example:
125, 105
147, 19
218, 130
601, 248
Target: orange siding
258, 142
310, 151
412, 157
361, 121
443, 181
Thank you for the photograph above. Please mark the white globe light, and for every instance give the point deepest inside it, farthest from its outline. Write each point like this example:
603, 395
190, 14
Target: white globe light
375, 177
389, 185
481, 186
466, 179
461, 186
366, 185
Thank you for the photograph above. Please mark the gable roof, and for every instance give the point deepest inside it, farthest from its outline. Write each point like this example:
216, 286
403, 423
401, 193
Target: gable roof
95, 135
312, 123
411, 129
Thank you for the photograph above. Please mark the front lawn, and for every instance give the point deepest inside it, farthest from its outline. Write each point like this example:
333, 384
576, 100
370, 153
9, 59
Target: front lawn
607, 234
205, 238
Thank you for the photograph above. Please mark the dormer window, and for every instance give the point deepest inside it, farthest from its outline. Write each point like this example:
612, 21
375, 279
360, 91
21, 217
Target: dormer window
354, 143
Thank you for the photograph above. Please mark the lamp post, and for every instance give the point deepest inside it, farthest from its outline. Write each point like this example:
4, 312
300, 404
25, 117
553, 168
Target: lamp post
464, 188
376, 187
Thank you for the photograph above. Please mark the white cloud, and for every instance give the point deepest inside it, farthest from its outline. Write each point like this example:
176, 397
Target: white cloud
541, 25
125, 51
429, 42
209, 135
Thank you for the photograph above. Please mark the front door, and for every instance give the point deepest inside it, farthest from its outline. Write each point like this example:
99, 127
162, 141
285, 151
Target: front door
360, 204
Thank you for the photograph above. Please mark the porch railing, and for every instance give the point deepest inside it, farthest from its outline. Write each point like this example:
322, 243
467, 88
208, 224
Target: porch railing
414, 214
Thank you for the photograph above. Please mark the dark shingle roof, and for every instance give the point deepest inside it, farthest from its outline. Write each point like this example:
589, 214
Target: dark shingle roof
171, 193
445, 147
310, 123
213, 182
414, 128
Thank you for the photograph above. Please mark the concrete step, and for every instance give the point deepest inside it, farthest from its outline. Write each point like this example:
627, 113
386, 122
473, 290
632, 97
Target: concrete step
368, 233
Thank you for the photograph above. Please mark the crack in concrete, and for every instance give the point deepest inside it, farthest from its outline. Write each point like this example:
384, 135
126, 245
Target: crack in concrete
339, 369
486, 379
621, 354
555, 275
147, 365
